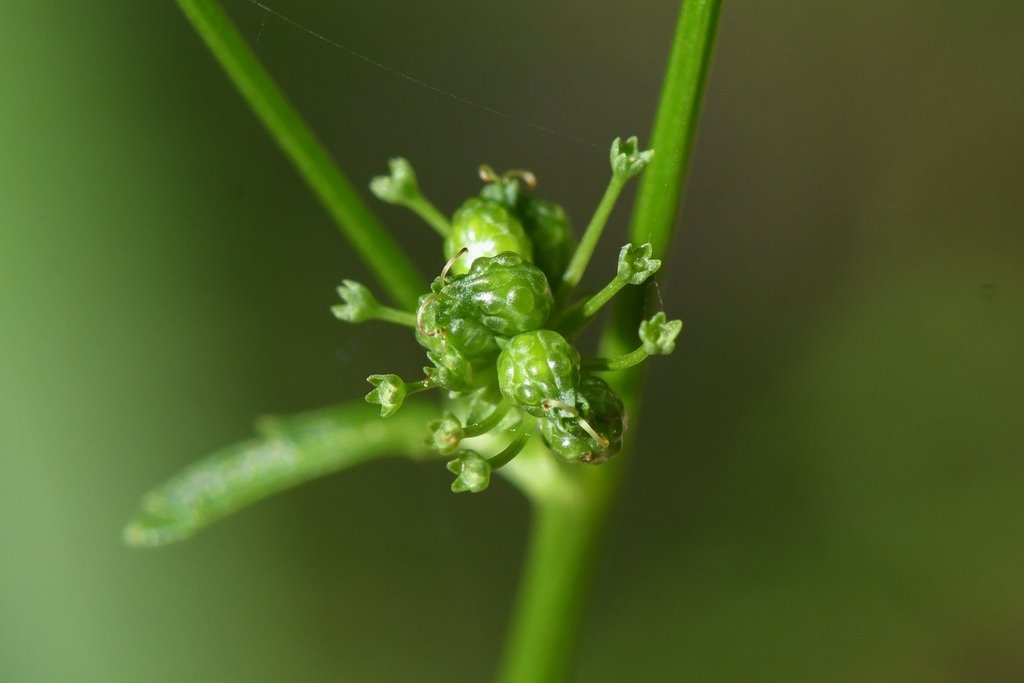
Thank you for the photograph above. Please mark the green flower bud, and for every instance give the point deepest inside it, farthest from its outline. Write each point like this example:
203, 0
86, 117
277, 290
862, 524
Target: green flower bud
567, 438
545, 223
462, 350
443, 322
505, 293
484, 228
537, 367
501, 189
547, 226
659, 335
473, 472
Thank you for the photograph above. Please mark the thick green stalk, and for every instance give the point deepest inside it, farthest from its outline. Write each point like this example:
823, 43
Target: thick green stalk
381, 254
566, 541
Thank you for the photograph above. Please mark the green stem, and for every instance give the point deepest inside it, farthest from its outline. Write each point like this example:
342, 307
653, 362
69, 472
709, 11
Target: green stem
661, 187
594, 303
381, 254
567, 529
512, 450
488, 423
393, 315
580, 259
579, 314
620, 362
430, 215
564, 542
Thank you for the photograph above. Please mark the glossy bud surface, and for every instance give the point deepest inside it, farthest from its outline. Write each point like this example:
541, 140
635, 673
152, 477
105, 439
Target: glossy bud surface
537, 366
505, 293
484, 228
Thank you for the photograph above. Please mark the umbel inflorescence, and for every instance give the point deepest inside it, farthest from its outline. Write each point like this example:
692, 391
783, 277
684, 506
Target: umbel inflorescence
498, 322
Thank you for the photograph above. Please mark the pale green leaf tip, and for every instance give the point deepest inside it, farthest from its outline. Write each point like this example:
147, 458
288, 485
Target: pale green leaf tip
148, 530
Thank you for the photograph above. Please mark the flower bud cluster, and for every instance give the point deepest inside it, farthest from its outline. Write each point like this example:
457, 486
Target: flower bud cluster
497, 330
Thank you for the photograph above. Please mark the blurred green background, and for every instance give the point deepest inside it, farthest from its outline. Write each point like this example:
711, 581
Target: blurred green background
828, 480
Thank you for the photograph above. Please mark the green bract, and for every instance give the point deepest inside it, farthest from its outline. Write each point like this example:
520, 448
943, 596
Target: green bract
484, 228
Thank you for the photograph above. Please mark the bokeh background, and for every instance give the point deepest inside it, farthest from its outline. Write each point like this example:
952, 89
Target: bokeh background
828, 479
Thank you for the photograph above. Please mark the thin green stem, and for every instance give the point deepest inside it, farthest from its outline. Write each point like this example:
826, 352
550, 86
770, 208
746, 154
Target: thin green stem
393, 315
488, 423
585, 249
431, 215
512, 450
579, 314
620, 362
567, 529
381, 254
594, 303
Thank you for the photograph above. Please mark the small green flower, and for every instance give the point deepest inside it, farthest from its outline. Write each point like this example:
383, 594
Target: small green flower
659, 334
359, 303
636, 264
389, 392
401, 188
398, 188
627, 159
445, 434
473, 472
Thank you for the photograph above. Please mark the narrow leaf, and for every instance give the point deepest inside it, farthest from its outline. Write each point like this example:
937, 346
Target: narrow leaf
310, 158
287, 452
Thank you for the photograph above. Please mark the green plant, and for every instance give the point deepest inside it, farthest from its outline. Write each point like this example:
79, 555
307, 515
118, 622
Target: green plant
496, 326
